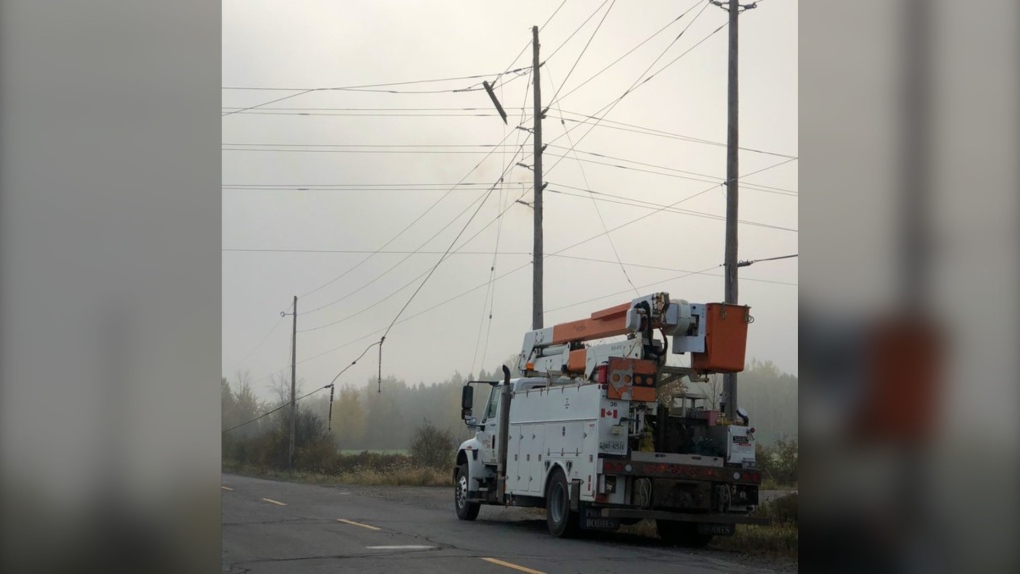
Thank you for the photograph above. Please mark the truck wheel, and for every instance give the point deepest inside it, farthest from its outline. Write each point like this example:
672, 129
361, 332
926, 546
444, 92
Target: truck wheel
562, 522
686, 534
465, 510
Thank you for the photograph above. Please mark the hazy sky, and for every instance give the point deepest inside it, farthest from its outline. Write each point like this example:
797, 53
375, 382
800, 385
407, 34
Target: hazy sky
364, 152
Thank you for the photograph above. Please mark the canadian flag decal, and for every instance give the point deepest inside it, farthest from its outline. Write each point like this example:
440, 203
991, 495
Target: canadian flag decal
609, 413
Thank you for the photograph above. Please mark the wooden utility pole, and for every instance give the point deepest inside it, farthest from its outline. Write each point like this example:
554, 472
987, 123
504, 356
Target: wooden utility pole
732, 195
536, 297
293, 386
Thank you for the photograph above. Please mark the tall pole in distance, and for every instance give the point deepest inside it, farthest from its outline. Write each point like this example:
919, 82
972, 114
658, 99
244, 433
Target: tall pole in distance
536, 296
732, 196
293, 387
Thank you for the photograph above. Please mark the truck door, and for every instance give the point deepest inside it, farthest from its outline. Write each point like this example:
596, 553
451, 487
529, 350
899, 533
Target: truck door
490, 421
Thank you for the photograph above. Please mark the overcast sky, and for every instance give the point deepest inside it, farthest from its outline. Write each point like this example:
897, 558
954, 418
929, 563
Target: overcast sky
364, 152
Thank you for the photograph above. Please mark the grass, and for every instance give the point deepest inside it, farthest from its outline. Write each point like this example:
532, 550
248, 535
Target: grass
770, 484
776, 540
772, 540
405, 476
353, 451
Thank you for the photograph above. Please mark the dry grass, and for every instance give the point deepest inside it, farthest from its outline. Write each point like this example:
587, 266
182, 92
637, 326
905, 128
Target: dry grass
773, 540
778, 540
403, 476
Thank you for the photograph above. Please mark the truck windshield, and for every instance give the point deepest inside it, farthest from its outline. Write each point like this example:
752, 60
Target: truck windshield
491, 409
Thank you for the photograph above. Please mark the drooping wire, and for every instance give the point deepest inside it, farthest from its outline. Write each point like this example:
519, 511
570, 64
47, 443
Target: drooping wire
284, 405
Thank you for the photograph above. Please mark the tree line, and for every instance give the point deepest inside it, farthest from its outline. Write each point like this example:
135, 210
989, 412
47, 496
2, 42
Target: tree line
362, 418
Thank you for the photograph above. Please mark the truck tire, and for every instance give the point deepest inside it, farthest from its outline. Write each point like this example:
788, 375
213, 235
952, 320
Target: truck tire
465, 510
686, 534
562, 522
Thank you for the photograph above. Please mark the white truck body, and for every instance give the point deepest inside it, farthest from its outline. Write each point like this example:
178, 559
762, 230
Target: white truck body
565, 425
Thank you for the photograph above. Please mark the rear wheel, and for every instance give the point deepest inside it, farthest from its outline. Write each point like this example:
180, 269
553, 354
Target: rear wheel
562, 522
681, 534
465, 510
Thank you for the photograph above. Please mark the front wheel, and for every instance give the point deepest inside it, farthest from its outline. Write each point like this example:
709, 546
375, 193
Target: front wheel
562, 522
677, 533
465, 510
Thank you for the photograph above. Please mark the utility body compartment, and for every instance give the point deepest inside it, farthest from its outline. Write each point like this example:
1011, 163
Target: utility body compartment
563, 425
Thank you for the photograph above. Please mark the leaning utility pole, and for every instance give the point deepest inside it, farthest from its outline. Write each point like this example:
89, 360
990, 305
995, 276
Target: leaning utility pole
536, 296
732, 197
293, 386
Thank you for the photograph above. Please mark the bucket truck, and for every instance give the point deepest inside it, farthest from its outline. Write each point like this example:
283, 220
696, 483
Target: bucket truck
602, 432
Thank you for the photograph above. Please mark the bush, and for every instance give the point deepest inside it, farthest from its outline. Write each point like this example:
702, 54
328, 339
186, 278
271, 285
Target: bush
432, 447
781, 511
778, 464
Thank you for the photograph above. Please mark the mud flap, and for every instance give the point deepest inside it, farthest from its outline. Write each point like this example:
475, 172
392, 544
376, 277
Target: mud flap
575, 495
592, 519
716, 529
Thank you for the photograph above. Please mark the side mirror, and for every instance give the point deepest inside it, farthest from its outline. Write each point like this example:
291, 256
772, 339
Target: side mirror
467, 400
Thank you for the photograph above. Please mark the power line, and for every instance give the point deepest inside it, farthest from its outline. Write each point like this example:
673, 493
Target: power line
272, 112
363, 88
281, 407
503, 276
438, 263
754, 187
581, 55
565, 42
356, 151
658, 268
416, 220
674, 204
554, 100
544, 25
660, 207
370, 187
384, 273
264, 339
360, 87
598, 212
621, 126
639, 82
412, 281
363, 251
379, 146
635, 162
399, 109
642, 287
429, 240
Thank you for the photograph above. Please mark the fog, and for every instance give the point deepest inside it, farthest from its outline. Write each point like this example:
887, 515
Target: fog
306, 201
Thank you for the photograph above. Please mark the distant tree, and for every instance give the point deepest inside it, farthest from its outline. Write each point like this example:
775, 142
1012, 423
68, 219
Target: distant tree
349, 419
432, 446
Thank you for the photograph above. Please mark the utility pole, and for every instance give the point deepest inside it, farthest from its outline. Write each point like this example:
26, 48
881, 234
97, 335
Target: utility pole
293, 386
732, 194
536, 297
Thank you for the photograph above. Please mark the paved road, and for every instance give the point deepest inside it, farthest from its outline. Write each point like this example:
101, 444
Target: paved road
271, 526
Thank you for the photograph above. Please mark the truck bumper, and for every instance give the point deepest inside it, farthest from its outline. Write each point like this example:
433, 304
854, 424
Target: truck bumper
715, 518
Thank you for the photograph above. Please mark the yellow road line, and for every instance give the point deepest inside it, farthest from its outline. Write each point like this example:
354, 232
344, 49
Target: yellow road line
514, 566
276, 502
227, 488
351, 522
